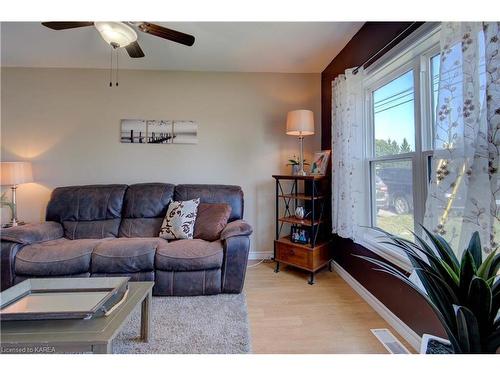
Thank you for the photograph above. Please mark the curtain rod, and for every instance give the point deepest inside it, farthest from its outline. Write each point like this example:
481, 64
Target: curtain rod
355, 71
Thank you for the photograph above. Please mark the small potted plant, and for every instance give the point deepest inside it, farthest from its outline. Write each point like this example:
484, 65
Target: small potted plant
295, 163
4, 202
464, 294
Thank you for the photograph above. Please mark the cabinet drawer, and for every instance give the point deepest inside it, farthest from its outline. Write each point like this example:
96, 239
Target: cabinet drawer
294, 255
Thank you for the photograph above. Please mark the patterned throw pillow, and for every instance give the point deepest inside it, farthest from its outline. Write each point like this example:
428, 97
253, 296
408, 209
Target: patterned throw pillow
179, 221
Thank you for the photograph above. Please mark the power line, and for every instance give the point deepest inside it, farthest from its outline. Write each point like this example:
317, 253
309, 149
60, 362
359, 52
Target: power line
378, 106
386, 109
381, 102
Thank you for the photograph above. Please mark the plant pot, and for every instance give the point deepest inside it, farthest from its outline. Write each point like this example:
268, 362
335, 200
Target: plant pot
435, 345
295, 169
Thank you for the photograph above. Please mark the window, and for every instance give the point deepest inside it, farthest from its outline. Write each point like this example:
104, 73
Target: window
394, 207
401, 100
393, 116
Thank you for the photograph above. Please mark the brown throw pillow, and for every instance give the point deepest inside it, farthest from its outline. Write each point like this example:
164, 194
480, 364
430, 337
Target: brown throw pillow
211, 220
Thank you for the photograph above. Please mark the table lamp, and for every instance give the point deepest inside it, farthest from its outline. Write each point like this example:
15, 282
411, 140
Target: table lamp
300, 123
13, 174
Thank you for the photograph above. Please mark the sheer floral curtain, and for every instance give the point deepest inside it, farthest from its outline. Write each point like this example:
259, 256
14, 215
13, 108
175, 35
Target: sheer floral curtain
464, 193
347, 147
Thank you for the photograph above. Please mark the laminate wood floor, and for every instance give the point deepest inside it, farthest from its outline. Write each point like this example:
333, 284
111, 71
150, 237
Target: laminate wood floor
287, 315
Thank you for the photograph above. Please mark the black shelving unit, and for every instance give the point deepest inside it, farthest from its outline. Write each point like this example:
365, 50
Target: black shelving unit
315, 254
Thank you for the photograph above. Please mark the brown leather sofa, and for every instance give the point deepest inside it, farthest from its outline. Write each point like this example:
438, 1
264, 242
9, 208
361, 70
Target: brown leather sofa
112, 230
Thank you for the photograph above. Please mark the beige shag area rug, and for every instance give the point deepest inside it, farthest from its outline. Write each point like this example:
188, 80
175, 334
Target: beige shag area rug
205, 324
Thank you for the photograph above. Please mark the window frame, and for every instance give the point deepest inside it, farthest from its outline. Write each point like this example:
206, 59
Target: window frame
372, 159
414, 53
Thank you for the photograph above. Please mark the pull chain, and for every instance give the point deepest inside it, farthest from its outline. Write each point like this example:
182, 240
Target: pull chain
111, 69
114, 49
116, 83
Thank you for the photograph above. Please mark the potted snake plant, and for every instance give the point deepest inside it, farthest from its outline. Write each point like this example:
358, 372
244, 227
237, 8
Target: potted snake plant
464, 293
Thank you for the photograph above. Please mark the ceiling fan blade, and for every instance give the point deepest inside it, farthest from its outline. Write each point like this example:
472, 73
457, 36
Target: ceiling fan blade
163, 32
134, 50
66, 25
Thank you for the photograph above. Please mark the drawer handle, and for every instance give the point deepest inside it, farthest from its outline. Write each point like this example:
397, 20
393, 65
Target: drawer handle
291, 251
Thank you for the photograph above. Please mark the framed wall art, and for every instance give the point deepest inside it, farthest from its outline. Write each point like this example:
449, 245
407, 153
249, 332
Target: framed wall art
158, 131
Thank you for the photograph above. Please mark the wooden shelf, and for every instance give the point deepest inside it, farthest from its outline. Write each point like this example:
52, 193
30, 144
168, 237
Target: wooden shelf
287, 241
294, 220
302, 197
304, 178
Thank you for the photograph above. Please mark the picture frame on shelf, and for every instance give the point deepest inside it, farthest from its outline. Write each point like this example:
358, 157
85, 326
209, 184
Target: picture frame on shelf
320, 162
299, 234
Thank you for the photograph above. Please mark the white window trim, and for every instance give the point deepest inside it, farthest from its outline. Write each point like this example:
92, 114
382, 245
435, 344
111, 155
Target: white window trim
422, 42
369, 240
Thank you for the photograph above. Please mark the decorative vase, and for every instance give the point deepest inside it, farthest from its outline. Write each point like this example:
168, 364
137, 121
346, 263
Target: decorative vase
299, 212
295, 169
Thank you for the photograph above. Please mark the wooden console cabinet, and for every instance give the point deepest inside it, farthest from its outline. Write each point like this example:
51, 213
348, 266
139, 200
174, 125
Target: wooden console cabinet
305, 191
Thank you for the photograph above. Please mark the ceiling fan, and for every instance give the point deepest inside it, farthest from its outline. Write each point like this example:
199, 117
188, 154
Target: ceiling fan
124, 35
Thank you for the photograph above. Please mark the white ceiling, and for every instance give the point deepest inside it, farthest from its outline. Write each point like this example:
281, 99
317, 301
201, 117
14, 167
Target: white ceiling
288, 47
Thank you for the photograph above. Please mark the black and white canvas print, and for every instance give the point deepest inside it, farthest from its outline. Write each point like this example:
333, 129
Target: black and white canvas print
185, 132
159, 131
133, 131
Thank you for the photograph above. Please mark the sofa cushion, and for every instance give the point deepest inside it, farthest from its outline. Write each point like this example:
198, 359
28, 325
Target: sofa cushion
189, 255
125, 255
91, 211
21, 278
189, 283
134, 276
230, 194
140, 227
179, 220
211, 219
75, 230
144, 208
57, 257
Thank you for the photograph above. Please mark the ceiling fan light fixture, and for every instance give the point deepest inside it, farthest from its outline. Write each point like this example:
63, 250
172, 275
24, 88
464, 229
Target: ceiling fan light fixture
116, 34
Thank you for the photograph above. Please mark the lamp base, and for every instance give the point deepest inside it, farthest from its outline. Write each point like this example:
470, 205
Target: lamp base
301, 172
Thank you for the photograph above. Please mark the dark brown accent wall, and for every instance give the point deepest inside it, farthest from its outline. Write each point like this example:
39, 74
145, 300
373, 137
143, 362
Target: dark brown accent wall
403, 301
372, 37
398, 297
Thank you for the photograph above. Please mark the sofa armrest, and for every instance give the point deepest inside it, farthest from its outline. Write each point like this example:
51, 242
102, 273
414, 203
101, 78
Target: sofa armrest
8, 253
235, 239
33, 233
236, 228
235, 262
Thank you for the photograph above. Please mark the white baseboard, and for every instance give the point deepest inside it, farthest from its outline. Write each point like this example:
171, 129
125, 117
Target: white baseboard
259, 255
397, 324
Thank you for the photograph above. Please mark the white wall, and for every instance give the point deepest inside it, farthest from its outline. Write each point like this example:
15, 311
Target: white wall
67, 121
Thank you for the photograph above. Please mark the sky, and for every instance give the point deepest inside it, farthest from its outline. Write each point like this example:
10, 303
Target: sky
394, 110
394, 107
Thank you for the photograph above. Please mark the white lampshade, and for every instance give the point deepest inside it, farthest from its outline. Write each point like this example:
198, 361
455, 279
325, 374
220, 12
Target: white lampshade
16, 173
300, 122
